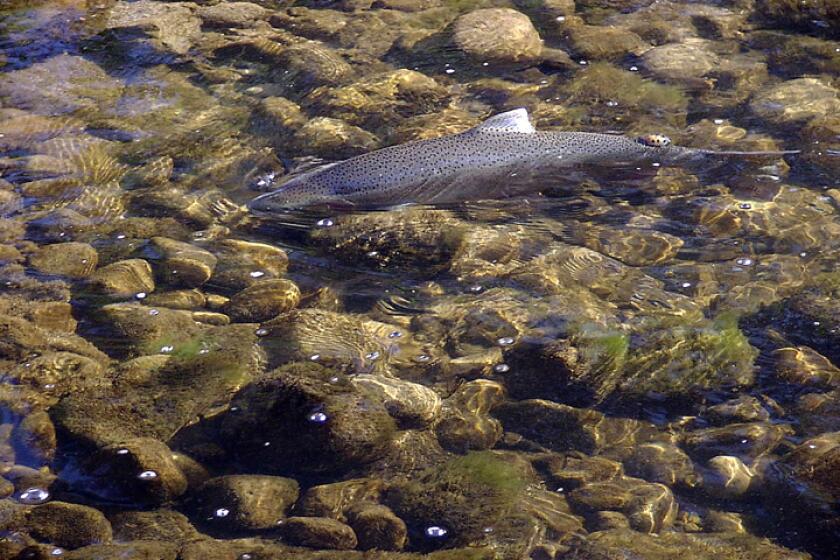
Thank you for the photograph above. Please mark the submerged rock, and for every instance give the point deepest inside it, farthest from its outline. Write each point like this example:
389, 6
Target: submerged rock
174, 23
263, 301
123, 279
232, 14
794, 101
806, 482
650, 508
160, 525
377, 528
497, 35
321, 423
245, 502
181, 264
74, 260
681, 62
606, 544
84, 86
140, 470
334, 138
319, 532
461, 496
68, 525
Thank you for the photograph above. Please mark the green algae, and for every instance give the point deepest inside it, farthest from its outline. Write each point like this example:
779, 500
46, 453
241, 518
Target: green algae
604, 81
465, 494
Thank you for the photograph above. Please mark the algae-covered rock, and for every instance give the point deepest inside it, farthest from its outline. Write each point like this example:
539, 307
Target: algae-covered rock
246, 502
85, 86
140, 470
462, 496
346, 342
381, 99
334, 138
465, 422
319, 532
604, 545
334, 499
243, 263
263, 301
193, 374
131, 550
742, 409
650, 508
74, 260
661, 462
175, 24
802, 365
377, 528
181, 264
410, 236
750, 440
794, 101
681, 62
409, 403
232, 14
161, 525
311, 64
497, 34
603, 42
727, 477
68, 525
819, 14
632, 92
319, 422
806, 484
123, 279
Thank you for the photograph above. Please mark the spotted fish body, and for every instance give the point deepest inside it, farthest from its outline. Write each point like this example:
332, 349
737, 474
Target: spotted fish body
501, 158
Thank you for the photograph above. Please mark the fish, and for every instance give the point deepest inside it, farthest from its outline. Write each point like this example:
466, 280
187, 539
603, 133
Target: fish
503, 157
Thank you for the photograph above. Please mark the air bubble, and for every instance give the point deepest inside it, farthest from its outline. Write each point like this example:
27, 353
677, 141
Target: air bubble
436, 532
154, 312
326, 222
372, 356
505, 341
140, 295
686, 284
745, 206
257, 274
501, 368
147, 475
315, 357
744, 262
33, 496
423, 358
166, 349
221, 512
318, 417
261, 332
394, 334
122, 451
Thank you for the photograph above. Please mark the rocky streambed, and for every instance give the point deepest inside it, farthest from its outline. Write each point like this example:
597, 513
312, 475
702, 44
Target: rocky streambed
618, 369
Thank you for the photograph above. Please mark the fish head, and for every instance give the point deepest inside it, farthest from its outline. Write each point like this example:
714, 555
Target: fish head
295, 194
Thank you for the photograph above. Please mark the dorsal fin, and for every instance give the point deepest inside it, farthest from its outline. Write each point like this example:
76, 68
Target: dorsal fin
511, 121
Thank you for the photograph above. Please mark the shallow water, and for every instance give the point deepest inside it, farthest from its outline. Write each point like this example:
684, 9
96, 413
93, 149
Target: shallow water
630, 366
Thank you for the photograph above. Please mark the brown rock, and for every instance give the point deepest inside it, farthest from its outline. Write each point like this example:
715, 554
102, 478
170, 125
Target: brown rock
74, 260
319, 532
68, 525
